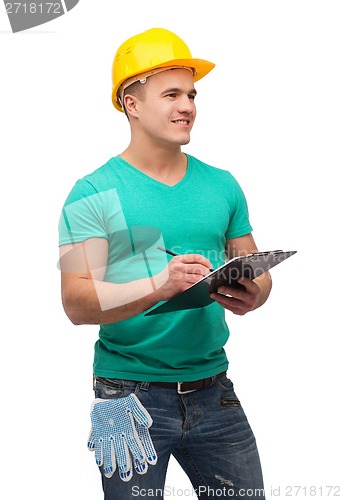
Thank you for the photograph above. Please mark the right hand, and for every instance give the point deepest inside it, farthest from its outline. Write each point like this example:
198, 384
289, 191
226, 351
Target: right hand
180, 273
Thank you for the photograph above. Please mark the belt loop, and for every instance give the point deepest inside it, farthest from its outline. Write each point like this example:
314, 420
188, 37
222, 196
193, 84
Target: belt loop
144, 386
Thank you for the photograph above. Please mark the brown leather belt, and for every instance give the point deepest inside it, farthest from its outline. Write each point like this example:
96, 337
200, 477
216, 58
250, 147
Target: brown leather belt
184, 387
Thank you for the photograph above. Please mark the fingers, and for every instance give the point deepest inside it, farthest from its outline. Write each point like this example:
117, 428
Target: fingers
91, 440
138, 453
193, 258
191, 273
145, 438
181, 272
99, 452
120, 437
192, 267
129, 450
238, 300
123, 457
229, 303
143, 420
109, 461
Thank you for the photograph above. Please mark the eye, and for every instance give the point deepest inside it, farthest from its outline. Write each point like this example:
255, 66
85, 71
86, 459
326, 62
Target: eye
192, 96
173, 95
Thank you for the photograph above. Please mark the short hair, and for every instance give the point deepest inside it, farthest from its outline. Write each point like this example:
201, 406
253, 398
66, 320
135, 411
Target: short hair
136, 89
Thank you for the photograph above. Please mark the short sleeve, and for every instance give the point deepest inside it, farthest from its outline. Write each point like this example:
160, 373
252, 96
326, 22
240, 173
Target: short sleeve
239, 224
82, 216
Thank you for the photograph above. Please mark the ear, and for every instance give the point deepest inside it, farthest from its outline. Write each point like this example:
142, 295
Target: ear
131, 105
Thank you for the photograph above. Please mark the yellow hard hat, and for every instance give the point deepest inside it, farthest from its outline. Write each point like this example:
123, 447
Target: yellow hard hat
153, 49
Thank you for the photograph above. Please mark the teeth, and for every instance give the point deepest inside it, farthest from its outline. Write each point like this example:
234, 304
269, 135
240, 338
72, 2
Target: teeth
184, 122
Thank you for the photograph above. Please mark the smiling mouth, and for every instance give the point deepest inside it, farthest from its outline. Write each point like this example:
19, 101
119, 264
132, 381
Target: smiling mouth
182, 122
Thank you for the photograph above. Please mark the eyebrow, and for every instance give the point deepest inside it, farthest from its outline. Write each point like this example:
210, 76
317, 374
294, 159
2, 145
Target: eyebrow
179, 90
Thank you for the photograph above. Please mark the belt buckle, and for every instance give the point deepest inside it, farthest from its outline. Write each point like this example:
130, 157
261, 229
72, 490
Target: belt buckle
179, 389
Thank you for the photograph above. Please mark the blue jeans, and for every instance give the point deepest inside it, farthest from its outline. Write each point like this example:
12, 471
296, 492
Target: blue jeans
206, 431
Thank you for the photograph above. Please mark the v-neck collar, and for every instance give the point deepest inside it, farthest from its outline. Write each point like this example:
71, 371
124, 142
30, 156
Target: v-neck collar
154, 181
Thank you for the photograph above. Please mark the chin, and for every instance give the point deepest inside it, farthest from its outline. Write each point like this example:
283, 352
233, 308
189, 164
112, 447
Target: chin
184, 141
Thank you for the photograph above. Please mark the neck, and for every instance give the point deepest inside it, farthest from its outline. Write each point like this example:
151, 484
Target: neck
167, 165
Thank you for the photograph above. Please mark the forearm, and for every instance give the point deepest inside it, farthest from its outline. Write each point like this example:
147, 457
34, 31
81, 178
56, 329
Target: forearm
89, 300
98, 302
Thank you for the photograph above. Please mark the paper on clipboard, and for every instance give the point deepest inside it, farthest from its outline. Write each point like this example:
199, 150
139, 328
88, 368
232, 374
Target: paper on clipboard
198, 295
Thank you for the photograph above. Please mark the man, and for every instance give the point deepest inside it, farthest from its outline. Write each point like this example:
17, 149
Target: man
160, 381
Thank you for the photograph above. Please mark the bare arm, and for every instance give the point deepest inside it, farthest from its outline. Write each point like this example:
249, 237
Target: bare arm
87, 299
256, 291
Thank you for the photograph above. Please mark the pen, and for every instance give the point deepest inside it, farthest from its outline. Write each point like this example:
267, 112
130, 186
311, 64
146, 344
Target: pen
174, 254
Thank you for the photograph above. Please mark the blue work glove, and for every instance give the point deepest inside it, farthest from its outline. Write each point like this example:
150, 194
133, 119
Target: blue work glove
119, 434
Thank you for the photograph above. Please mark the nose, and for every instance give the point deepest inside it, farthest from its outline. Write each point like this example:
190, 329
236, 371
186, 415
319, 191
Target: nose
186, 104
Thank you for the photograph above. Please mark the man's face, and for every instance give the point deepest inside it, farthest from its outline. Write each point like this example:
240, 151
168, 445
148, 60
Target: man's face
167, 110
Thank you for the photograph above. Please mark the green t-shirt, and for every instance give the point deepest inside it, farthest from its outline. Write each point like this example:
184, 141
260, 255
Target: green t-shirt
136, 213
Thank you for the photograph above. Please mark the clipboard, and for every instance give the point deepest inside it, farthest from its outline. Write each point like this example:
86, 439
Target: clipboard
198, 295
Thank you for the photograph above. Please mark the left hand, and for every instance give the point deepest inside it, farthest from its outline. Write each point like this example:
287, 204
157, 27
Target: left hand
240, 300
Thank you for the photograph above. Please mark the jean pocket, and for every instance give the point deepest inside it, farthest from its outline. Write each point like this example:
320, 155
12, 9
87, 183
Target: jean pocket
105, 388
228, 395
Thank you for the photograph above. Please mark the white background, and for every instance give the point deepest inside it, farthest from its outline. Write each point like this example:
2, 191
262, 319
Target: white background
270, 112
